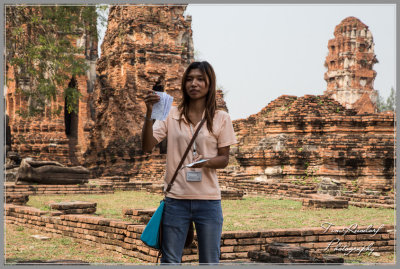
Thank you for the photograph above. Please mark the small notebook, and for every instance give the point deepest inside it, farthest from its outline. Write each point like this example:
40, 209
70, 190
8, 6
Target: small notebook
162, 108
191, 164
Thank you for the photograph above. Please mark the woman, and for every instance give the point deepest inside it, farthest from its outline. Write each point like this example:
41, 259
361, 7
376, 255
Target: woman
199, 200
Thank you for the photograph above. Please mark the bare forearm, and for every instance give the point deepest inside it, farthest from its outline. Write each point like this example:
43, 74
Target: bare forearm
217, 162
148, 141
147, 134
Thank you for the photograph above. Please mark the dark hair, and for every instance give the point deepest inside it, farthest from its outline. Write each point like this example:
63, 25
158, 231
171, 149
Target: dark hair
211, 103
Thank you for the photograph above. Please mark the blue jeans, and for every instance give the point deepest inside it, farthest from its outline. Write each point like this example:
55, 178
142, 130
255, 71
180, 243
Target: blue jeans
207, 217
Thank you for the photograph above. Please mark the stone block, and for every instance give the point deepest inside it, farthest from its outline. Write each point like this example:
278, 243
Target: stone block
228, 242
246, 248
250, 241
246, 234
332, 259
227, 249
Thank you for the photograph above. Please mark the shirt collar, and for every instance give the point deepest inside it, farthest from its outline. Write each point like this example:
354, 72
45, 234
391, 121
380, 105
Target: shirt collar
176, 115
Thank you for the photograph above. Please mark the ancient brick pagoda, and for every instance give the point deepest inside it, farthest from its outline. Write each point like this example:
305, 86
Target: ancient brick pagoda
143, 45
336, 136
351, 57
64, 137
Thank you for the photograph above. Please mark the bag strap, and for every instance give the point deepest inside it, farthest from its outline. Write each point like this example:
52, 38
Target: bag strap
184, 156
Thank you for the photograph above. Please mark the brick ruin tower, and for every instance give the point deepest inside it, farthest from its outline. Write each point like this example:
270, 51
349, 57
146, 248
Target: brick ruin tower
350, 76
63, 137
143, 45
324, 138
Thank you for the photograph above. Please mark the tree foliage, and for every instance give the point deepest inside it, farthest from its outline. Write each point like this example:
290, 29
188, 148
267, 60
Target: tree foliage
40, 48
389, 104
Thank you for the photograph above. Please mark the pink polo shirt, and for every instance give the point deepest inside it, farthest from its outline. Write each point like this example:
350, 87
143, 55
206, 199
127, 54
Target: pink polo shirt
206, 144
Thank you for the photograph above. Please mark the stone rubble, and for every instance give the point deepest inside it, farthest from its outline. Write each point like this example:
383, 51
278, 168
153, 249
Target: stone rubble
284, 253
17, 199
74, 207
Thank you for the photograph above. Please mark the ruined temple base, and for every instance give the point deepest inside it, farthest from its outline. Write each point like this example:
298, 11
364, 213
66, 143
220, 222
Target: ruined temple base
34, 189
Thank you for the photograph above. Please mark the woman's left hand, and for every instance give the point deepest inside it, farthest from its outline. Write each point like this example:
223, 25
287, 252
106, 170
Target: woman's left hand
217, 162
199, 165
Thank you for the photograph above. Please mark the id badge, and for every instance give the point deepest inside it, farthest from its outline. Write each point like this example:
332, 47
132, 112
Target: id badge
193, 176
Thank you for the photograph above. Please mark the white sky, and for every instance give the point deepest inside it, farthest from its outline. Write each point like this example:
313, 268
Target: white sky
260, 52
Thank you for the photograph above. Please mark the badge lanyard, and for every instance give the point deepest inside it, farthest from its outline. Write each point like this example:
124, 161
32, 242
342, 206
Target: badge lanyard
194, 143
193, 176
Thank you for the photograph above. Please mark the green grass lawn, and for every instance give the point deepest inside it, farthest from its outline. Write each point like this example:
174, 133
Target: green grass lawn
20, 246
251, 213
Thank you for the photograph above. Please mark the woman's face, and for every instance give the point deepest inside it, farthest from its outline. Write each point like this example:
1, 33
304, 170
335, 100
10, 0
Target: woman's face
196, 84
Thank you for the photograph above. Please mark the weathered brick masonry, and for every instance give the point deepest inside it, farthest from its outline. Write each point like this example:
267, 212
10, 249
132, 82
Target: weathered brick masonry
63, 137
19, 194
124, 237
143, 45
299, 192
306, 139
12, 189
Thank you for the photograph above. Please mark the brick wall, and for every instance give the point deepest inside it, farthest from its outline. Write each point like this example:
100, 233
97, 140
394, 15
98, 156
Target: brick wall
11, 189
124, 237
